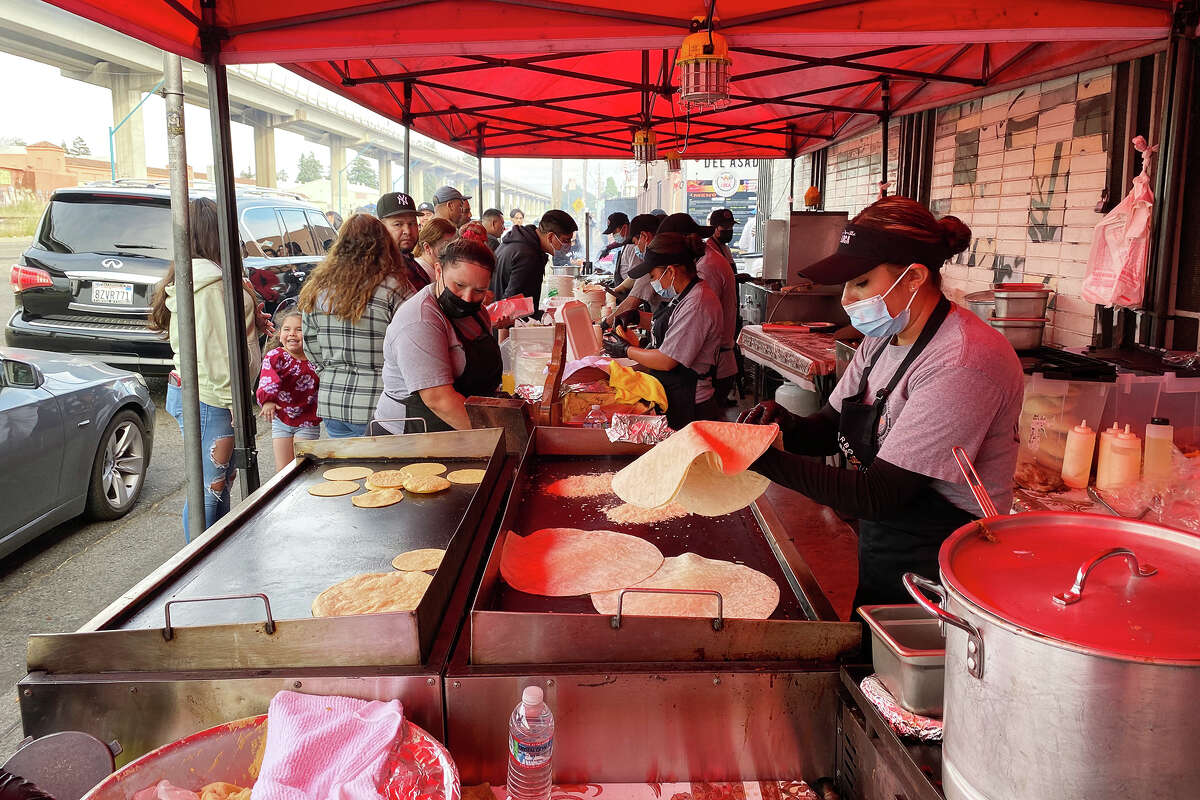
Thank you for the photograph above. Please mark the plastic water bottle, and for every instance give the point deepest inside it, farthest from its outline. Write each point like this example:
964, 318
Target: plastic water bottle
530, 747
595, 419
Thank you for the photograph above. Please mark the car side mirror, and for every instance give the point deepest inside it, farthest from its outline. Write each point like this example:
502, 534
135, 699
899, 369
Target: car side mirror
20, 375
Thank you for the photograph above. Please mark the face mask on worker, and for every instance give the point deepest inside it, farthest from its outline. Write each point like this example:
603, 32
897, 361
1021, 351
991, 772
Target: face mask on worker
455, 307
563, 248
725, 236
665, 289
871, 317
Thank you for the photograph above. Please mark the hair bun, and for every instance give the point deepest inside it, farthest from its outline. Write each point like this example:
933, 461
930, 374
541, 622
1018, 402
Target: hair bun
955, 235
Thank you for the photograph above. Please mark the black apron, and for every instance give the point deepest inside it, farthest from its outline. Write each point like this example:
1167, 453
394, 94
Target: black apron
910, 541
680, 382
480, 376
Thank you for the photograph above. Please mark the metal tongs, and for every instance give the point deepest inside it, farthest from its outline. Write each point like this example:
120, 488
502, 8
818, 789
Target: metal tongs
981, 496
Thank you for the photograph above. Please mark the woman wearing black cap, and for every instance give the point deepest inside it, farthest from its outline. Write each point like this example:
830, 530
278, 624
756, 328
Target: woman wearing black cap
686, 333
929, 376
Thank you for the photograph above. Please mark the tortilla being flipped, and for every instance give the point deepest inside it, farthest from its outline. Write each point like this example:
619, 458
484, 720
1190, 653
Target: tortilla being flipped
703, 467
372, 593
562, 562
745, 593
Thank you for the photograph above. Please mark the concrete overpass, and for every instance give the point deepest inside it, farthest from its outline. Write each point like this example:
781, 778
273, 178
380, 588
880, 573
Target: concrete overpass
264, 97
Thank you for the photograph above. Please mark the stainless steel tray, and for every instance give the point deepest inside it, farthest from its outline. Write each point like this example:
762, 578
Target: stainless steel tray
908, 652
240, 595
510, 627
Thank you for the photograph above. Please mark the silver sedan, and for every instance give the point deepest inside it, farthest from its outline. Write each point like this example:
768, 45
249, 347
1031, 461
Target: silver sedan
75, 438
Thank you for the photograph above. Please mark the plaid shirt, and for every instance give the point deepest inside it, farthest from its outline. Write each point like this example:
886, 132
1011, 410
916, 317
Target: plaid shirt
348, 356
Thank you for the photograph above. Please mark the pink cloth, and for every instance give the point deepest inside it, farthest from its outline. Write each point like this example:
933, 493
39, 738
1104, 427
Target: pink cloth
326, 748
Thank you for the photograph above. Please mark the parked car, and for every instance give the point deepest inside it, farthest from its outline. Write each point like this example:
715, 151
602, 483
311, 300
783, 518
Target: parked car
85, 283
75, 438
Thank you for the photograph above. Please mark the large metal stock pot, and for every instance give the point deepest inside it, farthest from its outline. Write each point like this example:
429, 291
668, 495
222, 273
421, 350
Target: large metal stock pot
1072, 658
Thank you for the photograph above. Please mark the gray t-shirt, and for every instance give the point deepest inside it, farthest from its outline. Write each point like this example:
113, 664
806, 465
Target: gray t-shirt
717, 273
964, 389
420, 350
694, 335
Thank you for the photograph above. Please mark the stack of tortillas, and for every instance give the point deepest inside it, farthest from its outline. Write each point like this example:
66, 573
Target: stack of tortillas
704, 468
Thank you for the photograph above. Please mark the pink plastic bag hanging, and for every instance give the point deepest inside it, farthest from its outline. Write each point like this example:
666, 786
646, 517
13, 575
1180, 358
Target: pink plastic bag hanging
1116, 270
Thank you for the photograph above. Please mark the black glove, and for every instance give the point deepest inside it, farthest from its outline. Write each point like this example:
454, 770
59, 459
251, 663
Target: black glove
767, 412
615, 346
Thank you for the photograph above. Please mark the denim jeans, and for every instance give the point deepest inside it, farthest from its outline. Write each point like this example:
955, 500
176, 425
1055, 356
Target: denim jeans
215, 423
336, 429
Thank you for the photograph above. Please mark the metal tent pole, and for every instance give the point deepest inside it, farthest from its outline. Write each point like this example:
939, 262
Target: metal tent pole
496, 177
408, 122
244, 453
193, 452
479, 158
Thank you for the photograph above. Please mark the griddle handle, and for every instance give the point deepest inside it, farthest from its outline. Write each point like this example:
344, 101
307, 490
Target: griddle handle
717, 624
371, 424
169, 631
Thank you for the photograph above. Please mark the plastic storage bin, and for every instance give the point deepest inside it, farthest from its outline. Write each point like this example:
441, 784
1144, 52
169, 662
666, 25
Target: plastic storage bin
1051, 409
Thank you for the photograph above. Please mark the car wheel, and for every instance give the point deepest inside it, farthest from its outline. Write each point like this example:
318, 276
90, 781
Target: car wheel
119, 469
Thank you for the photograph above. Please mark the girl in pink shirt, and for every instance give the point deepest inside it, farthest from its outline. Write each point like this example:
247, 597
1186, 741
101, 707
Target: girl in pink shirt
287, 388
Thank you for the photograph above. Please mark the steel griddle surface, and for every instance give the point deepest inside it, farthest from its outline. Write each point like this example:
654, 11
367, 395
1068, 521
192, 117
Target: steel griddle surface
735, 537
298, 545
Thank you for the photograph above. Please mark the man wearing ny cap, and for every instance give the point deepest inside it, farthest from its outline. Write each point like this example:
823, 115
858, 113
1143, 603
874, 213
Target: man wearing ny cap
618, 228
716, 269
398, 213
424, 213
451, 204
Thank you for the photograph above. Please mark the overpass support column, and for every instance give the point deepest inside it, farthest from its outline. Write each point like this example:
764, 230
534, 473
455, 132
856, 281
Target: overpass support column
337, 173
129, 142
264, 147
385, 172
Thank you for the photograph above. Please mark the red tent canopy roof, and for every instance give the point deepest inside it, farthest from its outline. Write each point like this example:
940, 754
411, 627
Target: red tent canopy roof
544, 78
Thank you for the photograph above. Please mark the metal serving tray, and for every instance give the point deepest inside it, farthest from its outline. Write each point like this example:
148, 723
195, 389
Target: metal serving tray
510, 627
239, 596
908, 652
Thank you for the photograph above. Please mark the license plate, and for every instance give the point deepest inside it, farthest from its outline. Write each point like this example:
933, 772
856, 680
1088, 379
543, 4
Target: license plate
115, 294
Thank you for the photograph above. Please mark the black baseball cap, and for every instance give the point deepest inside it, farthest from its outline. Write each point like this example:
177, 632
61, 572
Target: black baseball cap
862, 249
394, 203
615, 221
666, 250
448, 193
425, 208
683, 223
658, 212
723, 217
642, 223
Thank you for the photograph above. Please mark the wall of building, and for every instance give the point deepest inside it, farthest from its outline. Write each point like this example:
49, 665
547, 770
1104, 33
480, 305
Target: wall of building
854, 169
1025, 169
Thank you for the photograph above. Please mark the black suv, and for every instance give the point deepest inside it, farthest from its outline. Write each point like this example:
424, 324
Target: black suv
85, 284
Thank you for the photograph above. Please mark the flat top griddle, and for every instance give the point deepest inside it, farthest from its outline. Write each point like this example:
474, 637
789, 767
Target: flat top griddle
735, 537
298, 545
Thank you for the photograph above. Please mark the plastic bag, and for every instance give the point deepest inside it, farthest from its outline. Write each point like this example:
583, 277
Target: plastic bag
1116, 270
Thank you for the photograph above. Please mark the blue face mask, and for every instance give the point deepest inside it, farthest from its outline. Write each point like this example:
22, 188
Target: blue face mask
666, 292
871, 317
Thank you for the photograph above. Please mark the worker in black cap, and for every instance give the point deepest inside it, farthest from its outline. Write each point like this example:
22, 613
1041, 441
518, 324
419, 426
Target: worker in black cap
723, 223
398, 213
633, 292
521, 257
716, 269
929, 376
424, 213
686, 333
451, 204
618, 228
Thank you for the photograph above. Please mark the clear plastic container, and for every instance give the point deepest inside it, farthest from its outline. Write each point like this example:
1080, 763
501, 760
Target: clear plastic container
530, 748
595, 418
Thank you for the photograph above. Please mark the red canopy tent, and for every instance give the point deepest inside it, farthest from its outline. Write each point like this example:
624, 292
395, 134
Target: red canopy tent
570, 79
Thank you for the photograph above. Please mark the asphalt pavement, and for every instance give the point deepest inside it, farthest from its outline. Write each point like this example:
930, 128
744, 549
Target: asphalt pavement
62, 579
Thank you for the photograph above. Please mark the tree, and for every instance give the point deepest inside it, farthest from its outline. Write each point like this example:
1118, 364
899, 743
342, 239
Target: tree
360, 173
281, 176
610, 188
79, 147
310, 169
14, 141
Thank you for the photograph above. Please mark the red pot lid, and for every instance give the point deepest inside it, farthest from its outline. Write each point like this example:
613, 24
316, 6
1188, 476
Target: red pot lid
1016, 571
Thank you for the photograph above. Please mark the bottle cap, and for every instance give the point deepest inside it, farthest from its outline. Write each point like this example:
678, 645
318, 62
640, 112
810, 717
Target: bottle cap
1083, 428
1126, 434
532, 696
1159, 421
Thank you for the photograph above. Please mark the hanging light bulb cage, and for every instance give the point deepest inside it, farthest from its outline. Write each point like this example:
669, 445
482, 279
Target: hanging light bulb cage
674, 161
645, 145
704, 65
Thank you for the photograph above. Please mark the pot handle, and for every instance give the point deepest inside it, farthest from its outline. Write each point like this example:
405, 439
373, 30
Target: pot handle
1075, 593
914, 583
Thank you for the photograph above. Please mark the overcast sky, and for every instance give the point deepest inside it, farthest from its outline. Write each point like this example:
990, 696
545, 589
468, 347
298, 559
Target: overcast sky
45, 105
